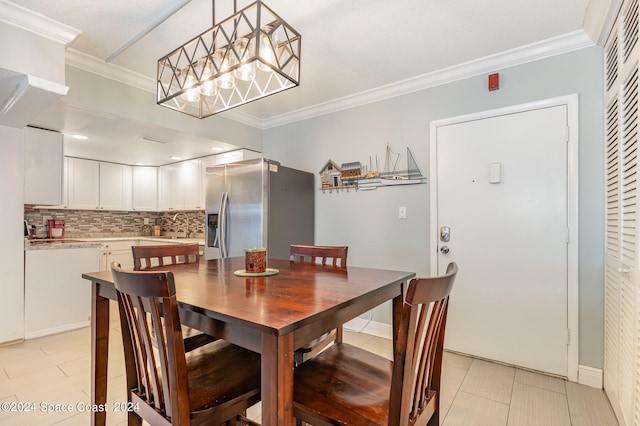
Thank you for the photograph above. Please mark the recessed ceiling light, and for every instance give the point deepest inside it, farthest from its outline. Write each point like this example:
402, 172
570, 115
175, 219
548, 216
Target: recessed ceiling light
216, 148
174, 157
137, 163
80, 137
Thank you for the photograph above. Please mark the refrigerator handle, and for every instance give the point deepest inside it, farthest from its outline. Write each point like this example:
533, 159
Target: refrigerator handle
223, 225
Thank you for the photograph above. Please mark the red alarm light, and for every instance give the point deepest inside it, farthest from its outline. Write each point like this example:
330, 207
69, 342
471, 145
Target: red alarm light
494, 81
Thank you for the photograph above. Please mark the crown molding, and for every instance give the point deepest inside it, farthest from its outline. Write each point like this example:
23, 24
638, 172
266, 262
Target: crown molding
115, 72
553, 46
37, 23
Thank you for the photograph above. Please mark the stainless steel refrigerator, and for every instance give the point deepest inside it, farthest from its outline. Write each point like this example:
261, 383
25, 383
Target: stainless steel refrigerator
257, 203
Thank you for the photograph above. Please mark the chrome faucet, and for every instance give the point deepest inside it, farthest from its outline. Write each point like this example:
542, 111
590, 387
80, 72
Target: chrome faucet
188, 233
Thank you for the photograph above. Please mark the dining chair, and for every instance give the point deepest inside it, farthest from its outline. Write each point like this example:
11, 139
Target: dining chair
149, 257
334, 256
346, 385
212, 385
337, 255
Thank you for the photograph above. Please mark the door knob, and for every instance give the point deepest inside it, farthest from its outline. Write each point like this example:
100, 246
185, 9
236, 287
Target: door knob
444, 249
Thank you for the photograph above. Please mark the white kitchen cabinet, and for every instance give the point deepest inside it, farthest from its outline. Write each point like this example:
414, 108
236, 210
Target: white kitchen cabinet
117, 251
145, 188
191, 179
167, 194
83, 184
115, 186
43, 167
229, 157
57, 298
95, 185
180, 186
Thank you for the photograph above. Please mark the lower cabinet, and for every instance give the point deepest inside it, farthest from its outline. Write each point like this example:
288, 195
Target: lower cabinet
57, 298
117, 251
120, 251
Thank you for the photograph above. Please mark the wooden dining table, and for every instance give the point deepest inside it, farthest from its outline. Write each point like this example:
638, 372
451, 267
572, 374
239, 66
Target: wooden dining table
272, 315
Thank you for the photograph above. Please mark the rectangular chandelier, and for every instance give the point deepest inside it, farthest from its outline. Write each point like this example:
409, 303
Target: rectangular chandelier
248, 56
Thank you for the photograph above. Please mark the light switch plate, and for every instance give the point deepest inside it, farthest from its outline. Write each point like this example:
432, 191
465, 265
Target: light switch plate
402, 212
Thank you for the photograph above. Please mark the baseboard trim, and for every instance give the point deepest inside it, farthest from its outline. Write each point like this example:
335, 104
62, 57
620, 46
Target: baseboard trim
360, 325
590, 376
55, 330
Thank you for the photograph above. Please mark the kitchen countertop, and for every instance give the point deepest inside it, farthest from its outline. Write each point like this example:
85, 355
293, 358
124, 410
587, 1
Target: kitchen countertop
67, 243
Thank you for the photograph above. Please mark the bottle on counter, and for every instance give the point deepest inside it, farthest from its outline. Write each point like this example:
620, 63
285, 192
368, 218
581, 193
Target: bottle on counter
157, 229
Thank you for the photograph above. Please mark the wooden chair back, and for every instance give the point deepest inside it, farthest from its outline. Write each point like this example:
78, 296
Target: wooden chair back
336, 255
158, 379
215, 384
147, 257
418, 352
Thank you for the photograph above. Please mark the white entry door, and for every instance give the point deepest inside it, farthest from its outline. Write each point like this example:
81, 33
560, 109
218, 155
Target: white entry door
502, 199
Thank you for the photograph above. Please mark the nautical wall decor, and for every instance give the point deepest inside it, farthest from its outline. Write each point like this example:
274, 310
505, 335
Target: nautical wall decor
355, 175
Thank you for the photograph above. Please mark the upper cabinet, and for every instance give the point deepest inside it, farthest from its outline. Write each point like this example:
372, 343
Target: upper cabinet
83, 184
229, 157
94, 185
115, 186
180, 186
145, 188
43, 161
190, 178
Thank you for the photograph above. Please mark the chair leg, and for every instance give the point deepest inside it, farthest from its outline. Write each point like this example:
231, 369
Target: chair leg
435, 419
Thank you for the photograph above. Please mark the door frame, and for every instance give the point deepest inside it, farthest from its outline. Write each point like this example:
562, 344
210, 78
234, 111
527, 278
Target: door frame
572, 104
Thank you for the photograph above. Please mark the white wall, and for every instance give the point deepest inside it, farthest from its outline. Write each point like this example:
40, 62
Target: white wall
368, 221
12, 241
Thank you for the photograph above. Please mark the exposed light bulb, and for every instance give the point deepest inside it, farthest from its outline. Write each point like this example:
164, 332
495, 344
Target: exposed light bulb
245, 49
267, 48
226, 80
192, 94
208, 88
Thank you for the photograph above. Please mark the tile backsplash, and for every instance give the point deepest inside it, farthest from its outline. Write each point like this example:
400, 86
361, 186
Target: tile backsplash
96, 223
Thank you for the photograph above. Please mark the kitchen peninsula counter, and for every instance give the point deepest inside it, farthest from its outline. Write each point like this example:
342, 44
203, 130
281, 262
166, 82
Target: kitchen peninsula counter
68, 243
57, 299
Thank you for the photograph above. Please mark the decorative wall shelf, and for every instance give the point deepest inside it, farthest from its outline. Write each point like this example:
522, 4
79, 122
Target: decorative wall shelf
352, 176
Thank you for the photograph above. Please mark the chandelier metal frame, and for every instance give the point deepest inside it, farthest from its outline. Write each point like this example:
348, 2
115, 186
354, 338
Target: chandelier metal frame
252, 54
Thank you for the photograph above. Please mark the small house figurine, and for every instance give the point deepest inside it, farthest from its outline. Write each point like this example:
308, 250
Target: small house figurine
330, 175
351, 170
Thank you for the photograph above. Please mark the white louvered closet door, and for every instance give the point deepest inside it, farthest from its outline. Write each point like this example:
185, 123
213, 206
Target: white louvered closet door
622, 316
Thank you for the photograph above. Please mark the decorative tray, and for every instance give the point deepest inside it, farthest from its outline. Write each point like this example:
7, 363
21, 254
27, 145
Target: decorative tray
244, 273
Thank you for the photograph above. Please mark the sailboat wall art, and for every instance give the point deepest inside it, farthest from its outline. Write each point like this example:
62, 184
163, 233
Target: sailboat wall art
360, 177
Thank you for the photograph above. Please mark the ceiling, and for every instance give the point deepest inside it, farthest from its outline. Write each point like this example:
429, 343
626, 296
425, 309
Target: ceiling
348, 47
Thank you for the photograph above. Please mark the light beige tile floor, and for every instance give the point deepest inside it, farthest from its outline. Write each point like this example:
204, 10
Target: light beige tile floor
48, 379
